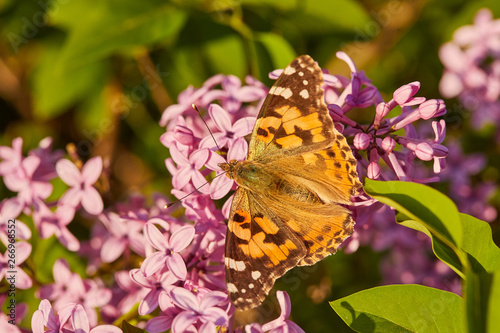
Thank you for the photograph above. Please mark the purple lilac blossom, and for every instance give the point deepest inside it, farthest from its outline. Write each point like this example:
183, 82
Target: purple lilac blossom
472, 68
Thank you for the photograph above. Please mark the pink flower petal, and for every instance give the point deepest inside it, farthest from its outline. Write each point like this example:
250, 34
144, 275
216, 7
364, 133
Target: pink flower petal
153, 263
79, 319
215, 315
37, 322
68, 240
159, 324
106, 329
30, 164
72, 197
184, 299
243, 126
92, 201
220, 117
69, 173
92, 170
112, 249
181, 238
149, 303
177, 266
138, 277
220, 186
155, 237
182, 321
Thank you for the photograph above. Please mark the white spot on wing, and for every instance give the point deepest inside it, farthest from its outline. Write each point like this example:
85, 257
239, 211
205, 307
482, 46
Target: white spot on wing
231, 288
304, 93
243, 291
251, 286
305, 82
301, 74
236, 265
240, 265
287, 93
289, 70
255, 275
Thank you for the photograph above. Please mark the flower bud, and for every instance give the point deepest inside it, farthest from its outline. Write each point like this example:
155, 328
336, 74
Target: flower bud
424, 151
361, 141
373, 170
388, 144
432, 108
404, 93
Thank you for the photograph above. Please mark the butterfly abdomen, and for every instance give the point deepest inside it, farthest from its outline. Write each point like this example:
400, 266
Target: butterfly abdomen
295, 192
261, 178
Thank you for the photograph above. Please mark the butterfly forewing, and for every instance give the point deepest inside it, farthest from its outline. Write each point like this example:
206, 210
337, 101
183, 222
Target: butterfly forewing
289, 208
294, 117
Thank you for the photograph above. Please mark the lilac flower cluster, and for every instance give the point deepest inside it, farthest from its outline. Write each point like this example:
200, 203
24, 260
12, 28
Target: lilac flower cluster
472, 68
388, 148
173, 266
472, 75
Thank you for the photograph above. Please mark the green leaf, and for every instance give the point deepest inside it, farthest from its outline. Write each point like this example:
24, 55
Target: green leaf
422, 204
494, 304
101, 28
54, 91
402, 308
282, 5
484, 255
226, 55
445, 253
477, 289
277, 47
128, 328
318, 16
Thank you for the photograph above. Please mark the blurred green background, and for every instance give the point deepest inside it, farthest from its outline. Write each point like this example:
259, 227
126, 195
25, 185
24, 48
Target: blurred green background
100, 73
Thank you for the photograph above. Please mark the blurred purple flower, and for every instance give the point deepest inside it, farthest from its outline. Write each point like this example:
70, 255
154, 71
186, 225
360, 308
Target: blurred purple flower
11, 157
203, 311
81, 189
71, 318
55, 223
69, 288
156, 284
7, 323
187, 98
280, 324
123, 234
22, 252
10, 209
233, 94
472, 68
24, 181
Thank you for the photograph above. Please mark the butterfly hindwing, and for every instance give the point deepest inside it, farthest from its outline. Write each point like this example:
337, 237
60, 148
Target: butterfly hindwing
294, 116
259, 249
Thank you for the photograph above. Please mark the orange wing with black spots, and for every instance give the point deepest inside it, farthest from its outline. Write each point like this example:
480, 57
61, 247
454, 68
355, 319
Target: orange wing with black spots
290, 207
259, 249
294, 117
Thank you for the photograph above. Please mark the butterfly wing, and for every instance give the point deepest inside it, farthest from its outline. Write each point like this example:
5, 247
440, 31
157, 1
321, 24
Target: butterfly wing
294, 117
259, 249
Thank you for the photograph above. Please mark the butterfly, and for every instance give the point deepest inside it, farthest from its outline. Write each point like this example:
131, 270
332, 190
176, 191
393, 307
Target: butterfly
289, 207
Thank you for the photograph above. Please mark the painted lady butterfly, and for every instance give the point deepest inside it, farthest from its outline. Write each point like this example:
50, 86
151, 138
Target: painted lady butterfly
288, 209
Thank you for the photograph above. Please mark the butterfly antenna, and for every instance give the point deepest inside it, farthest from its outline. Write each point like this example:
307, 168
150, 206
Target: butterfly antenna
193, 191
208, 128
